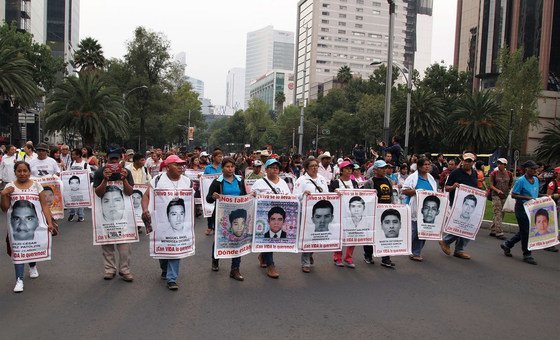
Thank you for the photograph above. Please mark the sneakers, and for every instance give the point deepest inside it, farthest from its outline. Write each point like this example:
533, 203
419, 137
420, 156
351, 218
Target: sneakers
19, 286
33, 272
388, 264
127, 277
349, 265
215, 265
506, 249
71, 218
236, 275
338, 263
445, 247
368, 260
529, 260
80, 219
172, 285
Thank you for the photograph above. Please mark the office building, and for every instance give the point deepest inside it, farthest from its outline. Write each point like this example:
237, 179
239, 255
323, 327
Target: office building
63, 28
235, 89
197, 85
29, 16
267, 49
267, 87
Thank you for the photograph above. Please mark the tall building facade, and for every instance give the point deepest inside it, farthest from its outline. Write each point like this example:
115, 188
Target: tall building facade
335, 33
235, 89
267, 49
267, 87
63, 27
29, 16
197, 85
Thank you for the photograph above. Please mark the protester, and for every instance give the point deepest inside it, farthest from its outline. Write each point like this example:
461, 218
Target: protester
419, 180
451, 165
231, 185
270, 184
310, 182
501, 181
139, 172
481, 182
553, 191
256, 174
525, 189
7, 173
55, 154
128, 158
28, 153
87, 154
65, 155
43, 165
214, 168
77, 163
100, 178
464, 175
24, 185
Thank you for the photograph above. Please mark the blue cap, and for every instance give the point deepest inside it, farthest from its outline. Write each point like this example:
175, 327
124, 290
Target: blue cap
379, 164
270, 162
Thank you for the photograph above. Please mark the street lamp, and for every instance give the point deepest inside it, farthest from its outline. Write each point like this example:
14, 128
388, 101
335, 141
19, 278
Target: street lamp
125, 95
389, 79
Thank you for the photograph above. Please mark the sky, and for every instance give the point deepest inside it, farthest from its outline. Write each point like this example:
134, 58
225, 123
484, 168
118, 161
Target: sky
213, 32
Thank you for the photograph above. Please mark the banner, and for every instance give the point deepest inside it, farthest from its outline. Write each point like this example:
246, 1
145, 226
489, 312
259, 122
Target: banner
276, 223
76, 188
194, 176
137, 195
234, 223
467, 212
206, 180
173, 224
430, 213
321, 229
543, 223
113, 217
358, 216
28, 231
393, 232
52, 186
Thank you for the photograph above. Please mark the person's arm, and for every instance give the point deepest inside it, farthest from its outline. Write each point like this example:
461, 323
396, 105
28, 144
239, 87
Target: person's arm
102, 187
46, 210
214, 189
128, 182
5, 198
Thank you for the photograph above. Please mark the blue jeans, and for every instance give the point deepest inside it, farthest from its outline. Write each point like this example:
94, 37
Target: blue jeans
461, 242
523, 233
20, 269
78, 211
171, 268
417, 244
235, 261
268, 258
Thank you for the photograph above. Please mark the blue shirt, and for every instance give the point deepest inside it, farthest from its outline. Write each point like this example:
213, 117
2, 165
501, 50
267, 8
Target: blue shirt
209, 169
422, 184
231, 189
524, 188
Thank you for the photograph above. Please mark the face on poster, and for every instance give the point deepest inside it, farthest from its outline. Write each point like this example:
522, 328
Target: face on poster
358, 213
207, 208
28, 230
76, 188
234, 226
543, 223
321, 230
53, 195
392, 230
467, 212
276, 223
137, 195
431, 211
114, 220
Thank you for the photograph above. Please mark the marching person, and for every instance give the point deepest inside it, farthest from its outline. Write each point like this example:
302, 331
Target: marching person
77, 163
139, 172
256, 174
501, 181
100, 179
7, 174
173, 178
22, 185
271, 184
326, 169
213, 168
310, 182
228, 184
65, 155
553, 191
419, 180
43, 165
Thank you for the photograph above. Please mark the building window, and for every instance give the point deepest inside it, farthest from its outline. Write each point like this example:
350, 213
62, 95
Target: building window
360, 2
327, 70
324, 21
324, 29
359, 17
342, 15
341, 32
326, 5
376, 4
343, 7
321, 61
358, 34
325, 13
341, 23
376, 12
359, 10
359, 26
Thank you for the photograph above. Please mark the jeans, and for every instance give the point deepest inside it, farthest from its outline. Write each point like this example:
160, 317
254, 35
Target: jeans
235, 261
20, 269
523, 233
268, 258
461, 242
337, 256
417, 244
211, 222
171, 268
78, 211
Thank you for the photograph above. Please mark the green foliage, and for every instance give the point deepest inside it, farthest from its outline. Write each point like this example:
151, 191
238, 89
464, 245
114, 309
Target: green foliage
343, 127
369, 111
89, 56
344, 74
279, 100
549, 146
16, 75
258, 122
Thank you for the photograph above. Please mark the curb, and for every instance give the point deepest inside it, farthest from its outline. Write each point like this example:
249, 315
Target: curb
507, 227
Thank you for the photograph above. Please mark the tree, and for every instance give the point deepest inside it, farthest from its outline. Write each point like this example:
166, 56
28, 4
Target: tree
89, 56
478, 123
549, 145
519, 85
344, 75
343, 128
369, 111
279, 100
87, 106
258, 122
16, 75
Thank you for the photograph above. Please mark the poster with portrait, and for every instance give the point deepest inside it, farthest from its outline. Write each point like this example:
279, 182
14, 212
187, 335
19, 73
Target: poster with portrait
206, 181
289, 178
431, 210
194, 176
173, 224
137, 195
358, 216
467, 212
76, 188
321, 230
235, 217
393, 231
113, 217
30, 240
543, 223
249, 184
276, 223
52, 186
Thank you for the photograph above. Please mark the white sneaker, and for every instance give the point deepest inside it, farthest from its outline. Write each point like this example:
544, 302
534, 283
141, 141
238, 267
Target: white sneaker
33, 272
19, 286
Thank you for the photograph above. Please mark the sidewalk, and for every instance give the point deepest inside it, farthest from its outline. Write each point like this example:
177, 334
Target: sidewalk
507, 227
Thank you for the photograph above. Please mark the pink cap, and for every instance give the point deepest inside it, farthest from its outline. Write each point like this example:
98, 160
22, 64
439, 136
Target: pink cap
173, 159
344, 164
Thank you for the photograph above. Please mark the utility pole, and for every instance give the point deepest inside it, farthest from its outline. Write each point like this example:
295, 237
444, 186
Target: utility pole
389, 78
510, 133
303, 102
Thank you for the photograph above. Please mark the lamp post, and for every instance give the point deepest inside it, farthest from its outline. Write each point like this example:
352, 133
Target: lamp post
303, 102
389, 78
124, 96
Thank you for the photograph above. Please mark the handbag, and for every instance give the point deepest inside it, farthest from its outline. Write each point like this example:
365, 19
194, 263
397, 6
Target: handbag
509, 205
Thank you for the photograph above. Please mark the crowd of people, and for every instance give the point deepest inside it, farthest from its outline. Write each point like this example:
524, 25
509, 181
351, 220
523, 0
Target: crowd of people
395, 179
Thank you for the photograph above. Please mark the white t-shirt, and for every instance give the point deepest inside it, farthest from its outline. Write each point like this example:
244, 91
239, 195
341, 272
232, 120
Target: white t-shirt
35, 188
7, 173
281, 188
305, 183
165, 183
43, 167
83, 165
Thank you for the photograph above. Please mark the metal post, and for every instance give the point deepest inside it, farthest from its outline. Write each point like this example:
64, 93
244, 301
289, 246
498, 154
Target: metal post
189, 129
300, 129
317, 141
389, 78
510, 133
293, 140
408, 103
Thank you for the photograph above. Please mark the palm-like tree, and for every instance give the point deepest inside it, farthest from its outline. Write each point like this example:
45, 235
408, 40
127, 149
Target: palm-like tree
89, 55
87, 106
279, 100
16, 76
477, 123
549, 145
344, 75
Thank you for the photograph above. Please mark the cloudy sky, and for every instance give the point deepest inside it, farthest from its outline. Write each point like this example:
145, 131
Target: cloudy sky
213, 32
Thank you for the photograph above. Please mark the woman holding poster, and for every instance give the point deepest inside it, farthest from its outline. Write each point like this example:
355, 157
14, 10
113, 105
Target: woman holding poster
310, 182
232, 185
421, 180
25, 219
213, 168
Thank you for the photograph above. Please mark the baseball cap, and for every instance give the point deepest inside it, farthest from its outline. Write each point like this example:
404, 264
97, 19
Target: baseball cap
257, 163
502, 160
470, 156
173, 159
270, 162
345, 164
340, 160
204, 154
114, 151
530, 164
130, 152
380, 164
356, 166
42, 146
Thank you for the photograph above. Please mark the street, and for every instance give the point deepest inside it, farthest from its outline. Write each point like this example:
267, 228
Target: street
490, 296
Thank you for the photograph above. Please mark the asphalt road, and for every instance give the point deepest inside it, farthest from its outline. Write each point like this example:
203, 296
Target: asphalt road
490, 296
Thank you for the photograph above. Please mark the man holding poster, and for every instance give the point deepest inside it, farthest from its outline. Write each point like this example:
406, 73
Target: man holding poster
115, 173
78, 177
170, 200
